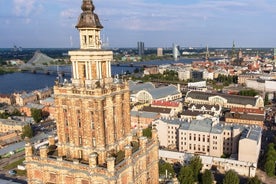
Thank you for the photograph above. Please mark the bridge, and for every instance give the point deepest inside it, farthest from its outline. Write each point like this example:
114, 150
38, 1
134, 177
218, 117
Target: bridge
66, 70
48, 70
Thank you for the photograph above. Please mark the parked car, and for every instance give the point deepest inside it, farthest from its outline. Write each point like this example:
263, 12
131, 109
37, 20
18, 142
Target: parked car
12, 172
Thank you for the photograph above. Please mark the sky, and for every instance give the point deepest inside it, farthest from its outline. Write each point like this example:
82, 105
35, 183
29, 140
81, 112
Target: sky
158, 23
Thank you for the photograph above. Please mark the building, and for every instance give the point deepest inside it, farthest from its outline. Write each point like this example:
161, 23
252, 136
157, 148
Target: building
210, 137
24, 98
7, 125
9, 138
27, 109
7, 99
250, 145
159, 52
141, 48
243, 168
244, 77
43, 93
142, 119
184, 74
192, 111
165, 93
176, 52
224, 100
197, 86
95, 142
244, 119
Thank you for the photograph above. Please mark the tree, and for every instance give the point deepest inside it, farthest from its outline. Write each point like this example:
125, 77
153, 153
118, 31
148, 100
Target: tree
270, 167
147, 132
254, 180
196, 166
231, 177
36, 114
186, 175
164, 166
27, 132
266, 100
207, 177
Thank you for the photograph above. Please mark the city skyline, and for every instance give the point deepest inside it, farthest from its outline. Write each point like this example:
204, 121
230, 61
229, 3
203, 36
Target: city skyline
160, 23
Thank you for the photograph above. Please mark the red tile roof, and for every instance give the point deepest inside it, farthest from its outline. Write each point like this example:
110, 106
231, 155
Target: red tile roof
165, 103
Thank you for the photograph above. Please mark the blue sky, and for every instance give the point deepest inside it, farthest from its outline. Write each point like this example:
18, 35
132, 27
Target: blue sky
159, 23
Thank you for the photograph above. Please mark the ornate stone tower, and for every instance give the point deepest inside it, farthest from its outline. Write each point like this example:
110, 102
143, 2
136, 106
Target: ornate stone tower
95, 143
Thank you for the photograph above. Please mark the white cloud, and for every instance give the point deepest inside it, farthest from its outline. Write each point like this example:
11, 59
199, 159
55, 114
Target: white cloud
23, 7
69, 13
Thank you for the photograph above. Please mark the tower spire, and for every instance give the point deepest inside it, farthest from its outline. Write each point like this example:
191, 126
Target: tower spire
89, 26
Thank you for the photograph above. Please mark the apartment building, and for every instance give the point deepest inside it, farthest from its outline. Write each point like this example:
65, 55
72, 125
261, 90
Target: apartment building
209, 137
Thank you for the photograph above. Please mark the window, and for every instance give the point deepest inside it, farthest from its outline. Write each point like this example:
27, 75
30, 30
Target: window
67, 138
79, 123
80, 140
92, 120
66, 122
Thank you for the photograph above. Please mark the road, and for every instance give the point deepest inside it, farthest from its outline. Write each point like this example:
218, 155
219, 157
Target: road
4, 173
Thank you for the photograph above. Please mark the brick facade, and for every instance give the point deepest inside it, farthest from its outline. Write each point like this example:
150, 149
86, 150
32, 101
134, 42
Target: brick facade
95, 143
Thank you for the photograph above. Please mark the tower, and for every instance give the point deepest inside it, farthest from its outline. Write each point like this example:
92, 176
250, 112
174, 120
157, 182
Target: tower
207, 54
95, 142
176, 52
141, 48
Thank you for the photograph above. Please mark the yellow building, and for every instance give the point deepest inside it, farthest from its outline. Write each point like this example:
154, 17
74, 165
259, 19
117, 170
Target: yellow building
224, 100
95, 143
7, 125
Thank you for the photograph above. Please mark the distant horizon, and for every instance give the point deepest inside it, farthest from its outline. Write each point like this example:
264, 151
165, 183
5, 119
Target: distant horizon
183, 47
157, 23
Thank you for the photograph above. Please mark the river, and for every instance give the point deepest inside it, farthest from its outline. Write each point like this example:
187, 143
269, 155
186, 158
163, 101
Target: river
18, 82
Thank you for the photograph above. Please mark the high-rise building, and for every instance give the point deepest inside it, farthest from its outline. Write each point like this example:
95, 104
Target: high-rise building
95, 142
141, 48
176, 52
159, 52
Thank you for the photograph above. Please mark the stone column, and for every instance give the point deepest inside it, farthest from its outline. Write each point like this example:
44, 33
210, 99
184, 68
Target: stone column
74, 69
93, 160
51, 140
90, 71
60, 150
98, 70
118, 116
43, 152
86, 71
100, 133
128, 151
111, 165
110, 121
143, 143
154, 134
77, 71
28, 151
126, 114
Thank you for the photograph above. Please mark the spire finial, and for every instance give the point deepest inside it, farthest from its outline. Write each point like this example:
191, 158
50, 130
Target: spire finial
88, 19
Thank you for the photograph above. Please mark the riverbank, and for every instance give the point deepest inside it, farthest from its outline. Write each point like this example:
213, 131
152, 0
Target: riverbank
7, 70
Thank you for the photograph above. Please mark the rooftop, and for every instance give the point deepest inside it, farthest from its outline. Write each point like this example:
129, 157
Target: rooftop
233, 99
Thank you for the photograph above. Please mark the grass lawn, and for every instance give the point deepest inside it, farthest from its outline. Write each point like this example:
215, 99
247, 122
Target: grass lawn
14, 164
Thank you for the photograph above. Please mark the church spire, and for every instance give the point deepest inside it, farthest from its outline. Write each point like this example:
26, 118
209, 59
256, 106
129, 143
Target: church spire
89, 27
